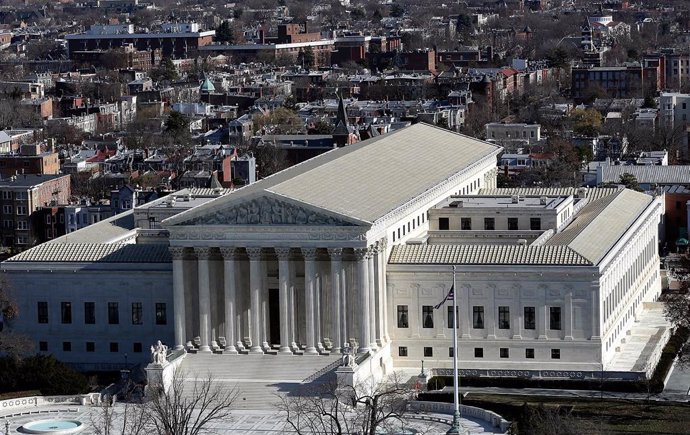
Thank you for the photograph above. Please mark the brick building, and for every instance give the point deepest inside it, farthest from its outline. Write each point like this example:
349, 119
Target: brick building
21, 196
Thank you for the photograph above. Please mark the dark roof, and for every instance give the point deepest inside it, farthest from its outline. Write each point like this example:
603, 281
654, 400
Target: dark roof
28, 180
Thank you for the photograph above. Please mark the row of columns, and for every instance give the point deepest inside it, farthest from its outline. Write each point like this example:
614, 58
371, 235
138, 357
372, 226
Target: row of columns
361, 290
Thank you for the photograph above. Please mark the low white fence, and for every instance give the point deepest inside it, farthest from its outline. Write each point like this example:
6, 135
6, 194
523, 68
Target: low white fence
22, 403
466, 411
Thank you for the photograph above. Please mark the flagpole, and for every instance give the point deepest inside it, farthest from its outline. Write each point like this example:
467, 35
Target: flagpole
456, 427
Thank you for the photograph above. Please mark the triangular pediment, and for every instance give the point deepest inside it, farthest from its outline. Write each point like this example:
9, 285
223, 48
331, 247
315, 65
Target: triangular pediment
270, 209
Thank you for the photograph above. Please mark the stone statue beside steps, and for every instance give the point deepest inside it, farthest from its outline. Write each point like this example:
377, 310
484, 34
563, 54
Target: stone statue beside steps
159, 353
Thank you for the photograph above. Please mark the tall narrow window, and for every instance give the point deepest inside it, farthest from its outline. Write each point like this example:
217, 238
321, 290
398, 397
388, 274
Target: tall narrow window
478, 317
42, 310
161, 314
427, 316
66, 312
530, 318
89, 313
555, 318
113, 313
136, 313
503, 317
450, 315
403, 317
535, 223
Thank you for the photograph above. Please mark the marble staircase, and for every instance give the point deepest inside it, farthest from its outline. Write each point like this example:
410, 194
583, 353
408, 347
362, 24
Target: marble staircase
260, 379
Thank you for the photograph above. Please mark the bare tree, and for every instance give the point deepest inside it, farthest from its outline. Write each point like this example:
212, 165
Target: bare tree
189, 405
133, 417
365, 408
11, 343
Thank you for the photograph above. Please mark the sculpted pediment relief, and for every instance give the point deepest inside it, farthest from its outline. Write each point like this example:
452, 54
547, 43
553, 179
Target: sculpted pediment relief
267, 211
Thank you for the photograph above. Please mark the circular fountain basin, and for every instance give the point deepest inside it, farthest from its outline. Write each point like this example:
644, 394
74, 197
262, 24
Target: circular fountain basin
53, 427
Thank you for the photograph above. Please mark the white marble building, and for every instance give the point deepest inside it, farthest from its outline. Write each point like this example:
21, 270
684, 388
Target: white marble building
356, 245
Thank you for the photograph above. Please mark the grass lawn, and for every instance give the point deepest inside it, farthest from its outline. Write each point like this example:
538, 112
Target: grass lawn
608, 416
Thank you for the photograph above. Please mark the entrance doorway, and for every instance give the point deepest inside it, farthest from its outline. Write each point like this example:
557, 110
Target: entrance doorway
273, 316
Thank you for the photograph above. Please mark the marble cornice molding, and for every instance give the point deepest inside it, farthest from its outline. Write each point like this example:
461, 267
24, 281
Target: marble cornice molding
267, 233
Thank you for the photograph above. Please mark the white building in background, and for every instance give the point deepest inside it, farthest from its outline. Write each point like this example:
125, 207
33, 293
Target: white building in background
356, 246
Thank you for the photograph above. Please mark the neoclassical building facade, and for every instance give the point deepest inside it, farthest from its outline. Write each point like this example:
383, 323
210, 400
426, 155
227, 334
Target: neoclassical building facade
297, 261
355, 248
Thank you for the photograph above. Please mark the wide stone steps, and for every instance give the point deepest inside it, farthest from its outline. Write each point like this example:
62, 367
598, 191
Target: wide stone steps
260, 379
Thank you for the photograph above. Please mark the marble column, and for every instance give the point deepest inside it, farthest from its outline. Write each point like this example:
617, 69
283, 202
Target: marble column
203, 255
344, 336
336, 255
464, 293
374, 331
284, 298
309, 305
383, 258
177, 254
597, 318
255, 285
362, 255
230, 298
568, 316
380, 291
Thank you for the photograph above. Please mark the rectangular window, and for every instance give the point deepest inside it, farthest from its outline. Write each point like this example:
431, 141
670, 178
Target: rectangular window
535, 224
427, 316
450, 352
466, 224
529, 353
503, 352
67, 346
512, 224
114, 347
21, 210
136, 313
66, 312
403, 317
43, 346
402, 350
428, 351
555, 318
489, 224
90, 313
443, 223
479, 352
530, 318
22, 225
137, 347
503, 317
90, 346
555, 354
450, 316
113, 313
7, 209
161, 314
478, 317
42, 312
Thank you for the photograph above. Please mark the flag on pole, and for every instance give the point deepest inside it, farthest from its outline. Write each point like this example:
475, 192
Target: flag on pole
449, 297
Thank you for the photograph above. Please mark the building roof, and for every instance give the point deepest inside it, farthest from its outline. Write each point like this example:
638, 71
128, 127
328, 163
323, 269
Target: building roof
592, 233
598, 226
94, 253
675, 174
111, 229
370, 179
28, 180
591, 194
486, 255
